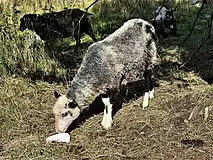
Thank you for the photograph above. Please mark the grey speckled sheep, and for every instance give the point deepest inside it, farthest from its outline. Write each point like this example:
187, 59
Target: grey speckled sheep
127, 55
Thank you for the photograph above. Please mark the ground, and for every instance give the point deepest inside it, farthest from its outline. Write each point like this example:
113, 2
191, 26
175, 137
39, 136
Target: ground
174, 126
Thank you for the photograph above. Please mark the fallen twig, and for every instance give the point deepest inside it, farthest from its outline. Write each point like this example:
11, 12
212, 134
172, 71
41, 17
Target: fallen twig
206, 113
191, 114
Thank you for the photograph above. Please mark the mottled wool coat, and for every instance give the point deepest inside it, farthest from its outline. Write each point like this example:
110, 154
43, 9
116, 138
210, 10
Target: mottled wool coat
128, 53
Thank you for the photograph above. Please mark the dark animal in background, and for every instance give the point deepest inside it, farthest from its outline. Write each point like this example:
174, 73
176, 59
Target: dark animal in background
164, 22
66, 23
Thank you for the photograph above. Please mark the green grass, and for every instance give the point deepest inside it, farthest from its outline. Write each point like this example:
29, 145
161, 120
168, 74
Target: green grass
29, 74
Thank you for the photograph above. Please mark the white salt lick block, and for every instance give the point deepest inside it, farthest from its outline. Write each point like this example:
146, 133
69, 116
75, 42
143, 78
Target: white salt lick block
60, 137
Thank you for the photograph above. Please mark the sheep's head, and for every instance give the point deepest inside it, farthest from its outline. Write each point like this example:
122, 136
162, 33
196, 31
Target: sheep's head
28, 22
65, 112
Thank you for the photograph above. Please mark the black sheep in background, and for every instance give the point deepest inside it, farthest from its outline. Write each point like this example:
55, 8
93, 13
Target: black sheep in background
66, 23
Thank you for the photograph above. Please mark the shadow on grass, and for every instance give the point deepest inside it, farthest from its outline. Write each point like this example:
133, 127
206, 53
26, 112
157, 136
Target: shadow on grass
131, 91
69, 59
50, 78
66, 54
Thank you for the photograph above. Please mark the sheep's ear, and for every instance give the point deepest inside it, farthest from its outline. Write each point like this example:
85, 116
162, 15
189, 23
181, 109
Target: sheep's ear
72, 104
57, 94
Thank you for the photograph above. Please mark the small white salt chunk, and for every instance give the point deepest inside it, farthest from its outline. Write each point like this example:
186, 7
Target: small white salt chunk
60, 137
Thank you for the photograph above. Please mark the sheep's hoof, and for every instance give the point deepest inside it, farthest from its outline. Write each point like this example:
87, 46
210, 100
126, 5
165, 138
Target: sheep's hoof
106, 123
145, 104
151, 94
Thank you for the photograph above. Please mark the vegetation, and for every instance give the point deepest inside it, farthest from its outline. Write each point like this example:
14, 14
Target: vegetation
30, 72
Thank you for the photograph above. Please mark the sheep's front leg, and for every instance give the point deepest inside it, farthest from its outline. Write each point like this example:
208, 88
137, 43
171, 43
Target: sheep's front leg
149, 89
107, 117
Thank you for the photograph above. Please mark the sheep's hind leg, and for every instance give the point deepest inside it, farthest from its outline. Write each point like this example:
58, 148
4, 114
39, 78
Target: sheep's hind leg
149, 89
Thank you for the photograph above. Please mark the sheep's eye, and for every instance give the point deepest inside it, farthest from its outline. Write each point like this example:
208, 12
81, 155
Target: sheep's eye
72, 104
64, 114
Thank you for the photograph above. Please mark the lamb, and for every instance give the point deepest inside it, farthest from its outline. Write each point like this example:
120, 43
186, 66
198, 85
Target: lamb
66, 23
127, 55
164, 22
163, 13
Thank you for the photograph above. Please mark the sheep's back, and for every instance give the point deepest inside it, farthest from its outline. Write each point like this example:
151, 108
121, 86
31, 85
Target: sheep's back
129, 51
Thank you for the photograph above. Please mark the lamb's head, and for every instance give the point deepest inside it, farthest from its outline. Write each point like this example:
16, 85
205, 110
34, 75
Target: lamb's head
28, 22
65, 111
161, 10
163, 13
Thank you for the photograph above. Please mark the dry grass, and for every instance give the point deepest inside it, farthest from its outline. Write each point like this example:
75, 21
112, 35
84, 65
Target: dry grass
163, 131
153, 133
